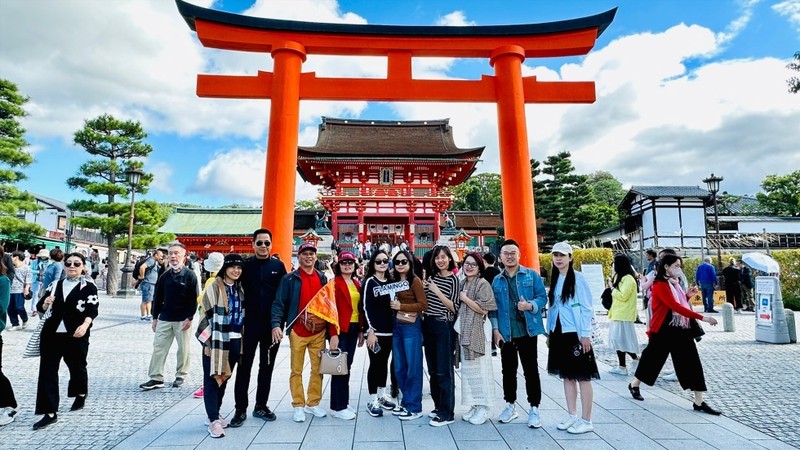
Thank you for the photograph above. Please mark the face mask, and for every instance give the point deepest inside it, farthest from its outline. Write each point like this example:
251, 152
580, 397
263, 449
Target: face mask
175, 266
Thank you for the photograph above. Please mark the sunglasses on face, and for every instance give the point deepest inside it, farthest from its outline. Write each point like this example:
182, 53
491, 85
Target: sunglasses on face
73, 264
347, 262
381, 261
401, 262
263, 243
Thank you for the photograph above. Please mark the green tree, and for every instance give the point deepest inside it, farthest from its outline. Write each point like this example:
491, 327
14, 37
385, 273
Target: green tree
794, 82
781, 196
606, 189
14, 157
118, 146
481, 192
307, 205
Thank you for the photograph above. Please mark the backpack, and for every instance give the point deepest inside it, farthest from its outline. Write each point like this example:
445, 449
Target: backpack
606, 298
137, 268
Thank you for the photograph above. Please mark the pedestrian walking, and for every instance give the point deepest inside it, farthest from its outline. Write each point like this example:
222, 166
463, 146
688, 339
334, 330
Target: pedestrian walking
622, 315
670, 332
65, 335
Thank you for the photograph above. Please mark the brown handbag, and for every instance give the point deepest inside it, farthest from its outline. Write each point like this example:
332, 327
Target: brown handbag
332, 362
407, 316
314, 324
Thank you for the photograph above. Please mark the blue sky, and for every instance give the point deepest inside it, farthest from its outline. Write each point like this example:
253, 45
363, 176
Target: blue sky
684, 88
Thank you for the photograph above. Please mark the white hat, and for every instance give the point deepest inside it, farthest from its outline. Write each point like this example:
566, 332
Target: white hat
43, 254
562, 247
214, 262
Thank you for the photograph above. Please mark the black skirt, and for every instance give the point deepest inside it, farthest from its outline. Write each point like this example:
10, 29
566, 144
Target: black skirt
566, 358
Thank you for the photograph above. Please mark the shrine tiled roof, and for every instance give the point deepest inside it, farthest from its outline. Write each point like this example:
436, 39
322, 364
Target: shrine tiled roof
476, 220
382, 138
223, 221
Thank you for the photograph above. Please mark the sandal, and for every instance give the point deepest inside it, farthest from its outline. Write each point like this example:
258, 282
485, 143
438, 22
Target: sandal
635, 392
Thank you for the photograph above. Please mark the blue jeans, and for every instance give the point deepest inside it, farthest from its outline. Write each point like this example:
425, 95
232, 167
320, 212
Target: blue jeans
707, 290
407, 351
340, 384
213, 392
16, 309
438, 335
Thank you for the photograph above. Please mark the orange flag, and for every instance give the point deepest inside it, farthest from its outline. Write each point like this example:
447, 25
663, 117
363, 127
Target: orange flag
323, 305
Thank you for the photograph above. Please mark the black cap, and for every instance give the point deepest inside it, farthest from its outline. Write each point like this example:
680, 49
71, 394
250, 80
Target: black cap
231, 259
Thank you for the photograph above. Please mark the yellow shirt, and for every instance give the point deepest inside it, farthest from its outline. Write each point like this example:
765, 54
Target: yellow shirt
355, 297
623, 307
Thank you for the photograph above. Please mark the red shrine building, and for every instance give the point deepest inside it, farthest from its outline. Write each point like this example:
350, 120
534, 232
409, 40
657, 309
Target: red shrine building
386, 180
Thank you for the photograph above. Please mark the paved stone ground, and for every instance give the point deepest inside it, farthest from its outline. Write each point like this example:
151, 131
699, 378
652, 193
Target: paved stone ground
755, 383
119, 415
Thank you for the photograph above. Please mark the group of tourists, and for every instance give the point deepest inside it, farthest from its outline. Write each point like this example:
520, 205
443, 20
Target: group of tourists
400, 309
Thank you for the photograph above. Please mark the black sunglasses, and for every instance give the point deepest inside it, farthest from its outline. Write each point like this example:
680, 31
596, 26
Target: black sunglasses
263, 243
401, 262
347, 262
73, 264
381, 261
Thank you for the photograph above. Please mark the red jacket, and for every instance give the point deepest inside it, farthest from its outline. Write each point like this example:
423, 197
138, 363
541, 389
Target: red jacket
344, 305
662, 302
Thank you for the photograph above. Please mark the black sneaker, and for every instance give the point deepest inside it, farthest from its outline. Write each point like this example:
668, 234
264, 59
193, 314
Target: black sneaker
263, 412
46, 421
152, 384
706, 409
79, 402
178, 382
239, 416
439, 422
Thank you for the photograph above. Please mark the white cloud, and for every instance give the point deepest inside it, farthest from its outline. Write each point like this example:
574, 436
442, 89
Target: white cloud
162, 176
455, 19
789, 9
740, 23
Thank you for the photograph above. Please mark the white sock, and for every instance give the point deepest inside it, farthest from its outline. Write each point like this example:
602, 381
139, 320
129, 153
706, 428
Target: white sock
373, 398
587, 422
381, 392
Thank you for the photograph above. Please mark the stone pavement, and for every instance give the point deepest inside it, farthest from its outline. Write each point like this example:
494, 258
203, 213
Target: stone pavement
756, 385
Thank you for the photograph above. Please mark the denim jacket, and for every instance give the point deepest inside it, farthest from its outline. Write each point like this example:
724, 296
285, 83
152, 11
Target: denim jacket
529, 286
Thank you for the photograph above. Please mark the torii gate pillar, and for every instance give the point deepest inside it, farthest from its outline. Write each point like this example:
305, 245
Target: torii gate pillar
284, 126
516, 182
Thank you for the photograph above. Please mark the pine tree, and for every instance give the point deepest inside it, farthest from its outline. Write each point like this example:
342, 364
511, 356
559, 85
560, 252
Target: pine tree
119, 145
14, 157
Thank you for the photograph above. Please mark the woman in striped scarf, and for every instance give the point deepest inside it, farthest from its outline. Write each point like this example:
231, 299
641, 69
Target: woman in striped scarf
220, 332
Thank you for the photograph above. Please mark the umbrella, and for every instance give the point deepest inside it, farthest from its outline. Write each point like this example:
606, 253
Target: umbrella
762, 262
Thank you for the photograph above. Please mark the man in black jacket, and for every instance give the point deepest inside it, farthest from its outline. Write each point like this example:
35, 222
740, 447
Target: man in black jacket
260, 278
174, 307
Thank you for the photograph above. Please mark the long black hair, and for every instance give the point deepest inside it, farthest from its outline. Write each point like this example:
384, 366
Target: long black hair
411, 263
371, 264
622, 268
666, 260
568, 290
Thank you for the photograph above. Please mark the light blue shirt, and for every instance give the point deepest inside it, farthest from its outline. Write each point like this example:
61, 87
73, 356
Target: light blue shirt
576, 313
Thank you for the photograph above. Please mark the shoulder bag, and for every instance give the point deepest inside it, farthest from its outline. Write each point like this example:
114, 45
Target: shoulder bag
332, 362
32, 350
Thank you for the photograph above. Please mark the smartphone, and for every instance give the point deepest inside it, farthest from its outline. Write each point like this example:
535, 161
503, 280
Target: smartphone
376, 348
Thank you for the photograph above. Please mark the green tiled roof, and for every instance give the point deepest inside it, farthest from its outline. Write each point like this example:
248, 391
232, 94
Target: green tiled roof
223, 222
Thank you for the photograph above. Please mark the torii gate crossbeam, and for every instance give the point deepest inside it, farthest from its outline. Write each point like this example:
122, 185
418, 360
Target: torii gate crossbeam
289, 42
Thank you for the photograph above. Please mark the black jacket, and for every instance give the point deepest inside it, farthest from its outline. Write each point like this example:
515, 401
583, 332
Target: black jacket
175, 299
260, 280
82, 302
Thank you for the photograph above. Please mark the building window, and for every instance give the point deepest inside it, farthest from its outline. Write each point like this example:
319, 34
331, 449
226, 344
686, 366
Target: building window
387, 176
62, 223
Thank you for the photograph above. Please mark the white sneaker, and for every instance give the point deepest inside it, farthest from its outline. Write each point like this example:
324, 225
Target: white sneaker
670, 377
580, 427
317, 411
344, 414
350, 408
215, 430
508, 414
480, 416
299, 414
567, 422
619, 371
467, 415
5, 418
533, 418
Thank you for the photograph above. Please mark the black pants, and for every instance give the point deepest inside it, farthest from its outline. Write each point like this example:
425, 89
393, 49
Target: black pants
679, 343
340, 384
7, 398
437, 336
379, 364
257, 334
53, 348
521, 349
212, 391
733, 295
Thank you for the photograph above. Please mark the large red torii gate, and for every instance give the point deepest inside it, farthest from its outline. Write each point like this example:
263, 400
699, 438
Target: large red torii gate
506, 47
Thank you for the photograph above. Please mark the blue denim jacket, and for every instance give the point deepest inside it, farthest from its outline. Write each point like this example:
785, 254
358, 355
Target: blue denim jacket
530, 287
